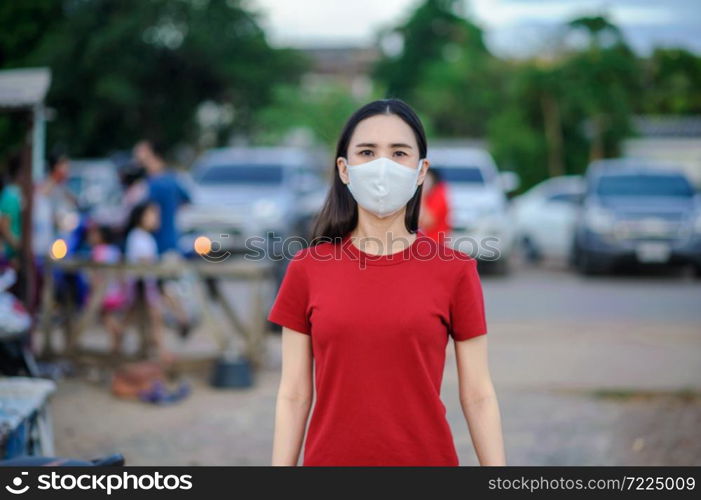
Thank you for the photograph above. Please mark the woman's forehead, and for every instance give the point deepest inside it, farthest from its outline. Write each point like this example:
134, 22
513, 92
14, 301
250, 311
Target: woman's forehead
383, 130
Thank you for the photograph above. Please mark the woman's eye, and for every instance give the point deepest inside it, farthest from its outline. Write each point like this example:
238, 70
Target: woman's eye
400, 153
363, 152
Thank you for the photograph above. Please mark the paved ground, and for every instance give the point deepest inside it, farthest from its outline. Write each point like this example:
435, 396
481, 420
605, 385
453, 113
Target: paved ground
589, 371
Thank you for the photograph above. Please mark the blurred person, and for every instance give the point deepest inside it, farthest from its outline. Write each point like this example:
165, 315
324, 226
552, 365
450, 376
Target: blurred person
53, 208
365, 332
141, 247
53, 204
11, 213
164, 189
132, 177
104, 250
435, 210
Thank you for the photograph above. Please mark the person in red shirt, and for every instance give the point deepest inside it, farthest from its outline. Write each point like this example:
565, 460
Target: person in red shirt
435, 209
367, 310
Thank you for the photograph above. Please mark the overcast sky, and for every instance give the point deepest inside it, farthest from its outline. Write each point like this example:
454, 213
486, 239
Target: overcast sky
512, 27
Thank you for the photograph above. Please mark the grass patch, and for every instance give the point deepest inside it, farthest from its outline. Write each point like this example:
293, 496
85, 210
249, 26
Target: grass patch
685, 394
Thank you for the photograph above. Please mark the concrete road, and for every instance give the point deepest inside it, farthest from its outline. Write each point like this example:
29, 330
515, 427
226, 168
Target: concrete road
588, 370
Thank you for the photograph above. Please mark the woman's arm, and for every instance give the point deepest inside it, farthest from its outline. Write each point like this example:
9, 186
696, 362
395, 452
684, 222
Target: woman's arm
479, 401
294, 397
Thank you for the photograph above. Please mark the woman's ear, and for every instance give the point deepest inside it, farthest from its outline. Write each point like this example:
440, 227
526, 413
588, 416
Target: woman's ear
422, 173
342, 166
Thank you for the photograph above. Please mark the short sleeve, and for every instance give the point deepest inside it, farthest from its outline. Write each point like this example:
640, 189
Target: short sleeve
467, 314
290, 306
183, 194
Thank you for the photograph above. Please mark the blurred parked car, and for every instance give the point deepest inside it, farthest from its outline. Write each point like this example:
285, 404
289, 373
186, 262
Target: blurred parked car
545, 217
244, 196
96, 185
481, 222
636, 210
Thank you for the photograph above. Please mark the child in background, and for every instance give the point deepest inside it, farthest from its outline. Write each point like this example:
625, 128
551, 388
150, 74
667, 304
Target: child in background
141, 247
104, 250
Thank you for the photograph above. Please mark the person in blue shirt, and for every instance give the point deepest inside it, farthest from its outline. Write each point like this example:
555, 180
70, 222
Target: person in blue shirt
164, 189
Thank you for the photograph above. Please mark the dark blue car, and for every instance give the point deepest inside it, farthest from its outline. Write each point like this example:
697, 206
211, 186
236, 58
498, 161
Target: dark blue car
637, 211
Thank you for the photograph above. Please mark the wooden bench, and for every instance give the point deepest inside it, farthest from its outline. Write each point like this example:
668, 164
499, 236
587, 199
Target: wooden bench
207, 290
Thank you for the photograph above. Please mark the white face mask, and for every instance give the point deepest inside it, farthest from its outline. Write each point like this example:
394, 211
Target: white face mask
382, 186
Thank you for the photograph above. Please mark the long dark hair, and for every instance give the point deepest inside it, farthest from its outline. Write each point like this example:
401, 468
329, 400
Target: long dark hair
339, 214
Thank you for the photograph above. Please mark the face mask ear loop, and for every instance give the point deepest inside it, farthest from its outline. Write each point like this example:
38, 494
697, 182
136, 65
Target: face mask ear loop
418, 171
345, 160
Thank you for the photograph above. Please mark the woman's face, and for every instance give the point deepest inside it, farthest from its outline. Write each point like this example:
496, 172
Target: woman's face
382, 135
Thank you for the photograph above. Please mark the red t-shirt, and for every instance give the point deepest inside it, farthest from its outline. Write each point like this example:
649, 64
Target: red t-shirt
379, 329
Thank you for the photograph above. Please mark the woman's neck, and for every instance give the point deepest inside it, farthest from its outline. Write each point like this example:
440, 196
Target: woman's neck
381, 236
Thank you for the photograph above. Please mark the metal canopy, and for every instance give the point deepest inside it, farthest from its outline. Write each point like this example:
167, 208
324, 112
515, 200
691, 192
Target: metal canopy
24, 88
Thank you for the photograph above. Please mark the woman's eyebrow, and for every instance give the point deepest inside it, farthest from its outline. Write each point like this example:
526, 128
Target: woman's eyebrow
373, 145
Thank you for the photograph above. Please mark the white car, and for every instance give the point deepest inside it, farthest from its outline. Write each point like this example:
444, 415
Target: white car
545, 217
479, 216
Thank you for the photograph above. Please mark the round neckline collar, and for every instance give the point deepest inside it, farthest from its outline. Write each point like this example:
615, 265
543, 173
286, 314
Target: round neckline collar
382, 259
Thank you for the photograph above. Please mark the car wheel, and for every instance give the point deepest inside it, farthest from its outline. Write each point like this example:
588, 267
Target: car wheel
573, 255
499, 267
697, 272
588, 265
530, 250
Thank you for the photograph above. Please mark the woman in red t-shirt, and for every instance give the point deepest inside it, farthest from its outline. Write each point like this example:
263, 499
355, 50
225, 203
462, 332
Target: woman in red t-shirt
367, 310
435, 209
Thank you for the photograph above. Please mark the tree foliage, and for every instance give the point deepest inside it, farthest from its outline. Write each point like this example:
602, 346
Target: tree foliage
127, 68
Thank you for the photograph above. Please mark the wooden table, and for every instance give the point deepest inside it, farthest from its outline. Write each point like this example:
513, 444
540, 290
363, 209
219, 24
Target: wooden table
207, 290
25, 417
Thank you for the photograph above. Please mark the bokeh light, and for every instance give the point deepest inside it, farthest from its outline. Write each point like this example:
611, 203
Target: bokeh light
203, 245
59, 249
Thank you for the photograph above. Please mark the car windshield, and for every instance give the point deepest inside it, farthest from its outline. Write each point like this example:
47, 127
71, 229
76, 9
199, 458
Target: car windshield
461, 174
240, 174
644, 185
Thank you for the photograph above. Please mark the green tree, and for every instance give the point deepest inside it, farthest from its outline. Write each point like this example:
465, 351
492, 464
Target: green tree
460, 92
434, 31
558, 113
671, 82
319, 112
516, 129
602, 83
24, 25
125, 68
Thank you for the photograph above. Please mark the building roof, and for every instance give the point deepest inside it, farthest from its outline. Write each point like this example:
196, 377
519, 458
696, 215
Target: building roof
667, 125
342, 60
22, 88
